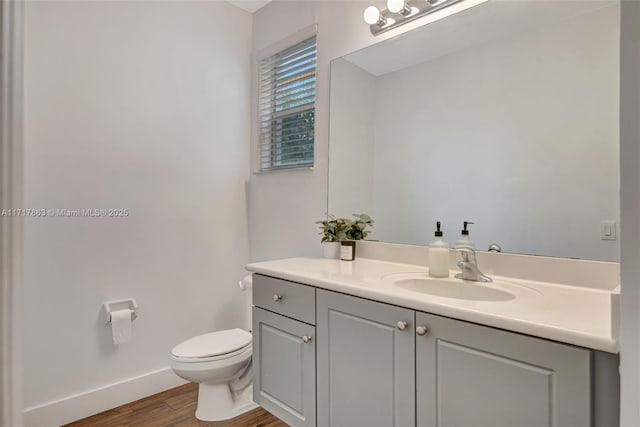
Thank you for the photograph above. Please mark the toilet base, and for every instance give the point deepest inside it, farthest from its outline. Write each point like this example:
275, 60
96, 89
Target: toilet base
216, 403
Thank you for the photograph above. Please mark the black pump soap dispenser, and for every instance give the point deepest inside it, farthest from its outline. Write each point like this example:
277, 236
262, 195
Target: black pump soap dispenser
465, 241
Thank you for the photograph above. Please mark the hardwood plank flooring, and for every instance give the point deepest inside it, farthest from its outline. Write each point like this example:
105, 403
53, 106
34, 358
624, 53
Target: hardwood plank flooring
172, 408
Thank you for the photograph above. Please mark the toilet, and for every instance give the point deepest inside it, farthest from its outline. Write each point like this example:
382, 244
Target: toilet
220, 362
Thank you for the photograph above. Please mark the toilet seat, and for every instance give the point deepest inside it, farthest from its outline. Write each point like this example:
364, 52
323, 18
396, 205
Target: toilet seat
215, 361
212, 346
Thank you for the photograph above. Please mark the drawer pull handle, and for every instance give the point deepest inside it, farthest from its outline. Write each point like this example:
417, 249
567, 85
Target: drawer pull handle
421, 330
277, 298
402, 325
306, 338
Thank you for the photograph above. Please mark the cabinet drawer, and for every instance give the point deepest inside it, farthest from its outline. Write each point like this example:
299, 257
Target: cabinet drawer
287, 298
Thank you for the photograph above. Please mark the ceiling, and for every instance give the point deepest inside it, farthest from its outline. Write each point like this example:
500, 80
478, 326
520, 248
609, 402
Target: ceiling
249, 5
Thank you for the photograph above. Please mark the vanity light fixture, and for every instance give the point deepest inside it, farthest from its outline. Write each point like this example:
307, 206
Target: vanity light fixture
398, 6
400, 12
373, 17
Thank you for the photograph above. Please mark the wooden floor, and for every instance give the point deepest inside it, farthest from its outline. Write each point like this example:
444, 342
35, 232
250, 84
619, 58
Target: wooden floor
172, 408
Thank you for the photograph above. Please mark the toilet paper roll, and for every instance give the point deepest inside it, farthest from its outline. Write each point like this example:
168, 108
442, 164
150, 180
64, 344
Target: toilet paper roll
121, 326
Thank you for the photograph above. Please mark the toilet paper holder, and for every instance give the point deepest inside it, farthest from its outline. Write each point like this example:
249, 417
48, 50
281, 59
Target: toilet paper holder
123, 304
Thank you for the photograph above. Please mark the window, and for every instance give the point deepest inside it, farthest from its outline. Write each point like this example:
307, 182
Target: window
287, 107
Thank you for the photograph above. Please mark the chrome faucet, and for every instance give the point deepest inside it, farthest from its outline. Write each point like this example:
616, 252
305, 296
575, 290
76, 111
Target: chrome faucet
469, 267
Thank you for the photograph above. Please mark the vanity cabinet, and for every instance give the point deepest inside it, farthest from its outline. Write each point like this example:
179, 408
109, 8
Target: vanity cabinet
366, 362
284, 350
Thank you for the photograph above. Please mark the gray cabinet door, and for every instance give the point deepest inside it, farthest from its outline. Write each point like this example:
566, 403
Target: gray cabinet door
366, 371
284, 367
474, 376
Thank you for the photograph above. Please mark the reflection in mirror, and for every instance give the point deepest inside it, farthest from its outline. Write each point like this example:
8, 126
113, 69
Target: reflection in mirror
505, 114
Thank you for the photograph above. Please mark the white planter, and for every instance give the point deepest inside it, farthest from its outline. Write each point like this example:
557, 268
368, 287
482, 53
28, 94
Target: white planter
331, 250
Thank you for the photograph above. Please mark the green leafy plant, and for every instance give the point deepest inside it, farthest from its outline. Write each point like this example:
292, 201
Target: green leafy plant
339, 229
358, 227
334, 229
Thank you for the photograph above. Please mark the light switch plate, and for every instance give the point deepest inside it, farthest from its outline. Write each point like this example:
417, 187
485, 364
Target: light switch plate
608, 230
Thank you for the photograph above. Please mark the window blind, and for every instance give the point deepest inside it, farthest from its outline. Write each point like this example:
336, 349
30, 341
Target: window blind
287, 107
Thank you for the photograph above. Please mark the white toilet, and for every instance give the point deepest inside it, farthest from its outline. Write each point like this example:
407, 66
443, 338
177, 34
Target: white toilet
220, 362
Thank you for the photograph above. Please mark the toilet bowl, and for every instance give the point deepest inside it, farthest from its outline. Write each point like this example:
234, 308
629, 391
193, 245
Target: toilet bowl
220, 362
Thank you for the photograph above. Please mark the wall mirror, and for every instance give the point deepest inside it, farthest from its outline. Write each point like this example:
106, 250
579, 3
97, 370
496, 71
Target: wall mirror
505, 114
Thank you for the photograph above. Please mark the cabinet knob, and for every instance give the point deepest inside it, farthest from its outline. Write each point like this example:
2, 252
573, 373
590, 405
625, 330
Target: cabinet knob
421, 330
306, 338
402, 325
277, 298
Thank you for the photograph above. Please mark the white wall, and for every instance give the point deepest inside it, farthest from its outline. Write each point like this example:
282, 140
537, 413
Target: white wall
284, 206
143, 106
630, 212
519, 135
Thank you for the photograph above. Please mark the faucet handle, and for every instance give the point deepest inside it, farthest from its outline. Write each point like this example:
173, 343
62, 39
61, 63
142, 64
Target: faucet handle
468, 254
494, 247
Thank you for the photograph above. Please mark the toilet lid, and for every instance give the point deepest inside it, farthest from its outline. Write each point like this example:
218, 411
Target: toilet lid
213, 344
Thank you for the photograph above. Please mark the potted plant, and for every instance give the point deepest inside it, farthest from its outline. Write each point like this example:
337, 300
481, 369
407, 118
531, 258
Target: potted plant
335, 230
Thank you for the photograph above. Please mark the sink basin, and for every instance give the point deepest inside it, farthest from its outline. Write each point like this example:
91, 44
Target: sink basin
454, 289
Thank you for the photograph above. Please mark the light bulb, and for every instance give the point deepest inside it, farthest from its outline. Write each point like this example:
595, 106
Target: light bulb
395, 6
371, 15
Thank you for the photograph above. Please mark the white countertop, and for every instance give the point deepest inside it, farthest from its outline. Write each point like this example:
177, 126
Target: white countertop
569, 314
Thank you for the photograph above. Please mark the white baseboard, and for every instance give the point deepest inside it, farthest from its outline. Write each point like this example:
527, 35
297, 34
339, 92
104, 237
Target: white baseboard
91, 402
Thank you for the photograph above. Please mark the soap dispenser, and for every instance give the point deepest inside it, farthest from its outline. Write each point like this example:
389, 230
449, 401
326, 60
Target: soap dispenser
465, 241
438, 255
